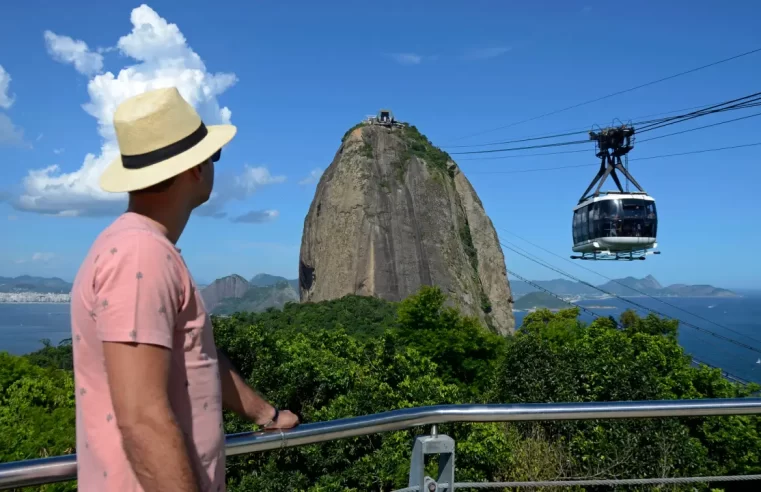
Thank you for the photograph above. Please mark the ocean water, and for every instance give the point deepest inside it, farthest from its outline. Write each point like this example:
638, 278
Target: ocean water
22, 326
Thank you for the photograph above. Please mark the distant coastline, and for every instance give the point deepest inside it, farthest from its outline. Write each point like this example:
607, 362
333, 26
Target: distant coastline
34, 298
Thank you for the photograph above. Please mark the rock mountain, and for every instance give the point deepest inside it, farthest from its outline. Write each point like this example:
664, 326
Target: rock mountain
393, 213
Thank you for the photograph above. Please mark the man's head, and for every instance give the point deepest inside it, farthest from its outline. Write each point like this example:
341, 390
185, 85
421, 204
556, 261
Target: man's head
187, 190
167, 152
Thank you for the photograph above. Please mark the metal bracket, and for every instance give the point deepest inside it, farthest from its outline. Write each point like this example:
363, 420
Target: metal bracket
613, 143
436, 443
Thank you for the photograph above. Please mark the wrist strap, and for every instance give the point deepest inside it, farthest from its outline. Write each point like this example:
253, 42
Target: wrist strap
274, 418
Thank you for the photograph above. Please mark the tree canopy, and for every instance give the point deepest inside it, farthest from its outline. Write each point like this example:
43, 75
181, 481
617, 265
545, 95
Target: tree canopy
358, 356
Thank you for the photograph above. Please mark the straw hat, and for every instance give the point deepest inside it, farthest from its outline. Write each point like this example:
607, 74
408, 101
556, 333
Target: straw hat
160, 136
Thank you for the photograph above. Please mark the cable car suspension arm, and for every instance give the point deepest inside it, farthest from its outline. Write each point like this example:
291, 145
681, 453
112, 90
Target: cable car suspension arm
612, 144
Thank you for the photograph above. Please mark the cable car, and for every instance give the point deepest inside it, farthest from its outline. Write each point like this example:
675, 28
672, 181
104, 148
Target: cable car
614, 225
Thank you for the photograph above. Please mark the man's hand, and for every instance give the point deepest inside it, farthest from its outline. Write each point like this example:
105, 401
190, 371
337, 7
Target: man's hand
285, 420
239, 397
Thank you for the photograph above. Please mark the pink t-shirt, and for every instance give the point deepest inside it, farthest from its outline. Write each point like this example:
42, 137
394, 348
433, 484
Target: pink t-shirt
134, 286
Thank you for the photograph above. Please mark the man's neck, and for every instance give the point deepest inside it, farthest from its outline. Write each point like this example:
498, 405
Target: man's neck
170, 220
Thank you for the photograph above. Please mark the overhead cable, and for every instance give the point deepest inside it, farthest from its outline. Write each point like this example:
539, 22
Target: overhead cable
663, 156
636, 124
597, 315
629, 301
631, 288
663, 79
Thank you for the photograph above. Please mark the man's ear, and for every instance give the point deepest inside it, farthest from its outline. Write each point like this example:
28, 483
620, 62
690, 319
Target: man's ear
196, 172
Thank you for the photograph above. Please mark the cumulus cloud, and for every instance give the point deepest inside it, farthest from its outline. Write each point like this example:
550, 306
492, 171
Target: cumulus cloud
162, 58
406, 58
254, 178
6, 99
314, 176
10, 134
257, 217
67, 50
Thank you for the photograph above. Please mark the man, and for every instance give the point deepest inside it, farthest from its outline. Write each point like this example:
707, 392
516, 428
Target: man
150, 384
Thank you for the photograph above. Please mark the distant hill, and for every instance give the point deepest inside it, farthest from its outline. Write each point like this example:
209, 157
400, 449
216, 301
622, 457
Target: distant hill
257, 299
230, 287
266, 280
27, 283
629, 286
537, 300
234, 293
560, 287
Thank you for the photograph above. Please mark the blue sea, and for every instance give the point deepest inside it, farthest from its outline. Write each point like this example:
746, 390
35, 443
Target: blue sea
22, 326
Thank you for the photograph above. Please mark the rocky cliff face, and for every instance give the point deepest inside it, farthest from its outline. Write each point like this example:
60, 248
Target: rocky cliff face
393, 213
232, 286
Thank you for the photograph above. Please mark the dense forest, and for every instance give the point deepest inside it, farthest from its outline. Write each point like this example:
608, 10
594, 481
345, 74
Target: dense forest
358, 355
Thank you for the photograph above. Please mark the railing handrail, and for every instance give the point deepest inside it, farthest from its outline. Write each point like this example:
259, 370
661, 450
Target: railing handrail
63, 468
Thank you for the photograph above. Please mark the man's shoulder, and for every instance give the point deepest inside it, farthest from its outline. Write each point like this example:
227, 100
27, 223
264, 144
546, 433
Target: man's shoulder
129, 242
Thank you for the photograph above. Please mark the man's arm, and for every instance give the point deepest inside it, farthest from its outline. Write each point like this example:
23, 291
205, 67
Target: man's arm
138, 376
139, 292
240, 398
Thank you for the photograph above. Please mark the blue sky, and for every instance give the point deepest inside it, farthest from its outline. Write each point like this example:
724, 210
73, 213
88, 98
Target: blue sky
294, 78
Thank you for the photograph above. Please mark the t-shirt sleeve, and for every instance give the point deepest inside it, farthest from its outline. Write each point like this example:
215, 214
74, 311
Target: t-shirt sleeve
138, 292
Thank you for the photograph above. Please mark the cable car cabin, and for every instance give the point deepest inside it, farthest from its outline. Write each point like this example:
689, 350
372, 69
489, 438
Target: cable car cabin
615, 226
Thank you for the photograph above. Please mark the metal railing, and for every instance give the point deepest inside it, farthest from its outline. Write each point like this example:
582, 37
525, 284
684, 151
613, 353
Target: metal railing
64, 468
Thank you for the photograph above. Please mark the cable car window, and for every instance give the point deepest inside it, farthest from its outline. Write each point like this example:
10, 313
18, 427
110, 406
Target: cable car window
584, 229
575, 226
594, 220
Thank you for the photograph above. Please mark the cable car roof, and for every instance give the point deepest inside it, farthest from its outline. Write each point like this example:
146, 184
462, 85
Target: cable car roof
615, 195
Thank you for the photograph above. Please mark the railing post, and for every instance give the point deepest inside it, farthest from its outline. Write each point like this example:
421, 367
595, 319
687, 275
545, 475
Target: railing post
436, 443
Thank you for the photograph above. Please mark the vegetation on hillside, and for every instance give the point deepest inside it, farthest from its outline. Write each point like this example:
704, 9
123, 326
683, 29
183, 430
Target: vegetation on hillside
419, 146
357, 356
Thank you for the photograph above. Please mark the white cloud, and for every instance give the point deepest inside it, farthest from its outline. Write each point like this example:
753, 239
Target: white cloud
239, 187
254, 178
67, 50
314, 176
163, 59
6, 99
257, 217
37, 258
58, 151
10, 134
406, 58
486, 53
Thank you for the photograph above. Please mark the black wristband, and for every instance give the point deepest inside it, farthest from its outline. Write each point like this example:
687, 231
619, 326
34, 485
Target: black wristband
274, 418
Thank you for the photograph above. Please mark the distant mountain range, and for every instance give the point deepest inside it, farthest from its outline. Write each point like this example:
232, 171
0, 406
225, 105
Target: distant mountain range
41, 285
234, 293
628, 286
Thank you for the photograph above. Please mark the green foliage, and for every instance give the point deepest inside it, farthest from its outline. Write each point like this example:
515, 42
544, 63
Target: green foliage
358, 355
419, 146
37, 414
465, 352
48, 356
467, 244
556, 358
362, 317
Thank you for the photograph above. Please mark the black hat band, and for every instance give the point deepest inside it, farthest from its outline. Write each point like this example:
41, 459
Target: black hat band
140, 161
